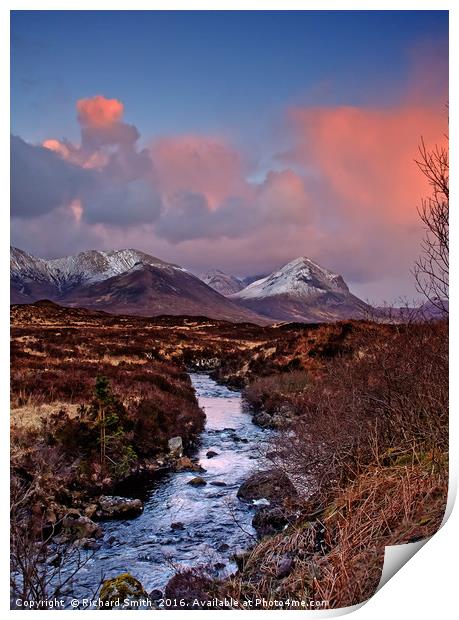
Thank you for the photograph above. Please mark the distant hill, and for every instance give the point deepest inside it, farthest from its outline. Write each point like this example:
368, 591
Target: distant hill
120, 282
302, 291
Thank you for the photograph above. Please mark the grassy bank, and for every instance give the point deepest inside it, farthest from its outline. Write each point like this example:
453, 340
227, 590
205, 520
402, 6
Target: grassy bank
365, 438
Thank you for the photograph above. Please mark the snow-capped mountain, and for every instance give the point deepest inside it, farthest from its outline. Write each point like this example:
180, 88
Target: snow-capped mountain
120, 282
84, 268
301, 290
301, 277
222, 282
132, 282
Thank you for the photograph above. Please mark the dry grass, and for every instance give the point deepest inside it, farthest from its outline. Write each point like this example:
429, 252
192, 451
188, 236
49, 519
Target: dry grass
368, 448
29, 418
383, 506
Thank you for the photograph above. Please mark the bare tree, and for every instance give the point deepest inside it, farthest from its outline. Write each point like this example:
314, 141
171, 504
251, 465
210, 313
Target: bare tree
432, 268
40, 571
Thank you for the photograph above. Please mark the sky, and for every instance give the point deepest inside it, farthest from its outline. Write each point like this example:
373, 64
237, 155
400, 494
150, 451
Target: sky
231, 140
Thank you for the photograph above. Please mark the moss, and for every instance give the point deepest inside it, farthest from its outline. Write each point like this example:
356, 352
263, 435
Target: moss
116, 590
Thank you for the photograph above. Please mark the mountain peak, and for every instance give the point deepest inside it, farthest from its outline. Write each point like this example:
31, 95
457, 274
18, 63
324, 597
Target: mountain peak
301, 277
221, 282
119, 281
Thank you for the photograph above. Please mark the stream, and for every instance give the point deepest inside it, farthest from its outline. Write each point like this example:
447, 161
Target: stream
216, 525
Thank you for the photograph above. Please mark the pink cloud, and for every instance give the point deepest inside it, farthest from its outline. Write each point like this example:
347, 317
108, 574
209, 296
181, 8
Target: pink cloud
201, 165
99, 111
366, 156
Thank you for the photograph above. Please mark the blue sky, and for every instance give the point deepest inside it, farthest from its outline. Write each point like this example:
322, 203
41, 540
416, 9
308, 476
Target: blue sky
209, 71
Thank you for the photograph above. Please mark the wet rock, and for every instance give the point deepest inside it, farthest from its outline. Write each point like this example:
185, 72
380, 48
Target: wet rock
90, 510
218, 483
271, 484
197, 482
81, 527
223, 547
88, 543
269, 521
55, 559
111, 540
284, 567
188, 588
219, 565
211, 453
115, 591
115, 507
186, 464
177, 525
155, 595
175, 445
261, 418
240, 559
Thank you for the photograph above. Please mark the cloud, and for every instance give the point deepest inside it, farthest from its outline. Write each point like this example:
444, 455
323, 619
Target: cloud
42, 181
106, 174
344, 193
366, 181
123, 203
200, 164
99, 111
367, 156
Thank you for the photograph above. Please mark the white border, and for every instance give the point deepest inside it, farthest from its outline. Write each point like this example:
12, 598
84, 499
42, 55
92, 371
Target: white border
428, 586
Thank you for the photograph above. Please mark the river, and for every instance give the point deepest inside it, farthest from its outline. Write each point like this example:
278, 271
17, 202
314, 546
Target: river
216, 525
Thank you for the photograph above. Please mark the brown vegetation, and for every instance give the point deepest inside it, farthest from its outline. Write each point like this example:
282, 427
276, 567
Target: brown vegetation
367, 444
363, 407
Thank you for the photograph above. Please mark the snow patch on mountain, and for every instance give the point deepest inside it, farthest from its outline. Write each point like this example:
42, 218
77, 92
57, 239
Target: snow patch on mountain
222, 282
301, 277
84, 268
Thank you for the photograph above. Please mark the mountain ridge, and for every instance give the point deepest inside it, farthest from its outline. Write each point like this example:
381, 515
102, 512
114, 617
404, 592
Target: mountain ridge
120, 282
129, 281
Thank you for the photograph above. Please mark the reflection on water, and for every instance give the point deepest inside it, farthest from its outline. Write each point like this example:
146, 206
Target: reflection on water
215, 523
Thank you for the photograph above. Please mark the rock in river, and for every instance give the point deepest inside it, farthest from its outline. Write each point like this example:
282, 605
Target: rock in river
116, 591
81, 527
115, 507
177, 525
197, 482
271, 484
186, 464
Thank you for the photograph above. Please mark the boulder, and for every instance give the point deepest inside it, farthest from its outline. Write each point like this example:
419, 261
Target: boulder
189, 588
269, 521
81, 527
240, 559
263, 419
218, 483
186, 464
211, 453
175, 445
115, 507
116, 591
271, 484
197, 482
88, 543
177, 525
90, 510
